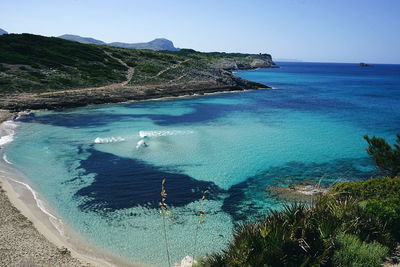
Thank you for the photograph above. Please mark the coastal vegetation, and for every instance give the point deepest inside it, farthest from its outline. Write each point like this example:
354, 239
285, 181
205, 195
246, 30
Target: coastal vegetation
34, 64
353, 224
341, 228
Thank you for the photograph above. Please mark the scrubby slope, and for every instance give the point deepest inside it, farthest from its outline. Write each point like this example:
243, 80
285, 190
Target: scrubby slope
56, 73
32, 63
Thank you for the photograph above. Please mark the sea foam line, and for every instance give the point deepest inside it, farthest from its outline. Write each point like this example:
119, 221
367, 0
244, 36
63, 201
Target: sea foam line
6, 159
106, 140
8, 127
56, 222
143, 134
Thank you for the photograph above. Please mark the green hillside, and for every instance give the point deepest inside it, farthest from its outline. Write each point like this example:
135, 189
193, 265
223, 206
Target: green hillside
36, 63
32, 63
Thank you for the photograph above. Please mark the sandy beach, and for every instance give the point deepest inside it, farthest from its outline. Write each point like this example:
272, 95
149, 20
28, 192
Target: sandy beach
22, 245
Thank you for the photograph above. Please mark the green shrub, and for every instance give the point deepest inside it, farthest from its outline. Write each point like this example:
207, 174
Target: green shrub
379, 198
351, 252
290, 237
385, 157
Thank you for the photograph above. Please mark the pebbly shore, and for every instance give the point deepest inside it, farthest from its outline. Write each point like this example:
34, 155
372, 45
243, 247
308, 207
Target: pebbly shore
22, 245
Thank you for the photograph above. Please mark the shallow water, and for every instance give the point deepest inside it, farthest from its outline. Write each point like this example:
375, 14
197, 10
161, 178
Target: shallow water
88, 164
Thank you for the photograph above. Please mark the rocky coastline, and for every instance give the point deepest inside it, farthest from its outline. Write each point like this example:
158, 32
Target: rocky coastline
117, 93
95, 74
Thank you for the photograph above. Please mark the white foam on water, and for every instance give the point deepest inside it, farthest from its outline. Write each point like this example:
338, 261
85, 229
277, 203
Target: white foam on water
107, 140
8, 128
143, 134
22, 114
6, 160
140, 144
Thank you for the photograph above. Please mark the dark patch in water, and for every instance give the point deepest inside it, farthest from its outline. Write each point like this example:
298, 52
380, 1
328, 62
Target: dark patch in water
121, 183
77, 120
249, 200
201, 112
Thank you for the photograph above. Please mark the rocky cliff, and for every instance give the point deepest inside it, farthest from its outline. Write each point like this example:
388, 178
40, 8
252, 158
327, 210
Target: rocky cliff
248, 62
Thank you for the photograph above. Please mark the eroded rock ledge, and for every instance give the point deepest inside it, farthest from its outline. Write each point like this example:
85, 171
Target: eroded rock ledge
119, 93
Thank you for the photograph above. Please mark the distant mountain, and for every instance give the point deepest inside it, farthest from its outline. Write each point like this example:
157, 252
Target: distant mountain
83, 40
156, 44
3, 31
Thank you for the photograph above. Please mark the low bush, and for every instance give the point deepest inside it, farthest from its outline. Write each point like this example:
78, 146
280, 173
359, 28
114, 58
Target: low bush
352, 252
379, 198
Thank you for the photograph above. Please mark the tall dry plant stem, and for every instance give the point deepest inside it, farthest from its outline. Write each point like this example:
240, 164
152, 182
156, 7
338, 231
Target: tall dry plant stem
164, 211
201, 220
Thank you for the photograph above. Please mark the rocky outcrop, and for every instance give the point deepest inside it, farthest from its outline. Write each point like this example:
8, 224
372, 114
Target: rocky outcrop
304, 192
362, 64
249, 62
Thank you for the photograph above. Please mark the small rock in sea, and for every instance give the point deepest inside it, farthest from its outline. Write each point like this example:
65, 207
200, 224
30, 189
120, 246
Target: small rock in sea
362, 64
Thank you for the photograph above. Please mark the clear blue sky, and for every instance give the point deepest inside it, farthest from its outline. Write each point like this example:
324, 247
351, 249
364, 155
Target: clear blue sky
309, 30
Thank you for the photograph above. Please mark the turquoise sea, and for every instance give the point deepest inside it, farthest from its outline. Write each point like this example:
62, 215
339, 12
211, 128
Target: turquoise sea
92, 166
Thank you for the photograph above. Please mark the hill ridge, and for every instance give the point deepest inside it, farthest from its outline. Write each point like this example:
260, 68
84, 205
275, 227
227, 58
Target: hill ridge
156, 44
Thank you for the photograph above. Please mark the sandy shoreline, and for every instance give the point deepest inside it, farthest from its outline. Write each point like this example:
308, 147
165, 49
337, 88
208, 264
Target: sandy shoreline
32, 233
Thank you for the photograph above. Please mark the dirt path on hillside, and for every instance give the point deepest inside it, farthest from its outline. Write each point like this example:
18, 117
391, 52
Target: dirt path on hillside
170, 68
129, 75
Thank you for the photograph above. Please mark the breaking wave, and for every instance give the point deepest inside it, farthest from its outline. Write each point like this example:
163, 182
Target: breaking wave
143, 134
7, 132
106, 140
